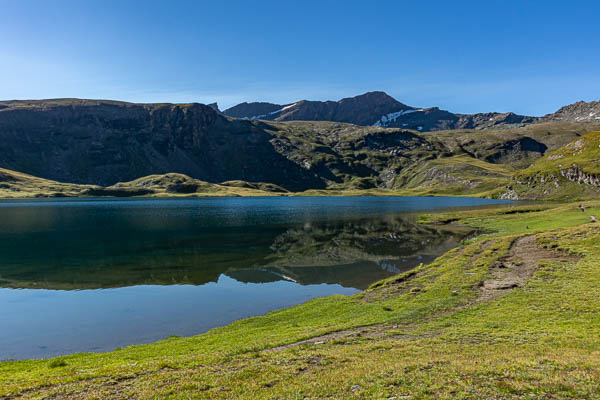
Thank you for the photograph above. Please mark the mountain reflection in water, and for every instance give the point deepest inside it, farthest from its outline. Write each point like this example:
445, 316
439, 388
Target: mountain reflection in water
352, 253
93, 275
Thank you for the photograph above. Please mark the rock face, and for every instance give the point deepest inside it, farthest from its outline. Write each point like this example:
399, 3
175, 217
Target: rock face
104, 142
376, 109
580, 111
575, 174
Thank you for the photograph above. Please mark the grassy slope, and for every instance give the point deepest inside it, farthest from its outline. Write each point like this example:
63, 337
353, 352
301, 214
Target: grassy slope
434, 341
15, 185
544, 177
459, 175
18, 185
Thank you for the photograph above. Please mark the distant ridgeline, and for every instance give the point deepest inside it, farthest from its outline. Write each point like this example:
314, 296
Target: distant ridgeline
367, 143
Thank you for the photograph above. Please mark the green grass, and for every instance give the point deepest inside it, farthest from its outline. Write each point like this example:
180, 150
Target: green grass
19, 185
14, 185
519, 220
546, 177
429, 338
584, 151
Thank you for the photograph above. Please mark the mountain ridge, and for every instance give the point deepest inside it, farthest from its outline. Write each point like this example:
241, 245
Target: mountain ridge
375, 109
103, 142
379, 109
579, 111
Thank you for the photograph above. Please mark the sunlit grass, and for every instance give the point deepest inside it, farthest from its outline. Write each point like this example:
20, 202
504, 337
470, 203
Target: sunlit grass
434, 340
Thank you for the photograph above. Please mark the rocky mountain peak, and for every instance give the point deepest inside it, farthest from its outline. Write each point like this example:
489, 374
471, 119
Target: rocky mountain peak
580, 111
365, 109
376, 108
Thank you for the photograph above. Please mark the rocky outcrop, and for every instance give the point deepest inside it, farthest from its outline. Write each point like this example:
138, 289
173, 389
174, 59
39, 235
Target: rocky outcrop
510, 194
546, 185
579, 112
575, 174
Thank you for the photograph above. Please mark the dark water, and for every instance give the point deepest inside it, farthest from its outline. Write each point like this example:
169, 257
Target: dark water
93, 275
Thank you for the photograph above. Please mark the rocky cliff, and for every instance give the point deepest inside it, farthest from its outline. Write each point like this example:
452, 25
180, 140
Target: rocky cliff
104, 142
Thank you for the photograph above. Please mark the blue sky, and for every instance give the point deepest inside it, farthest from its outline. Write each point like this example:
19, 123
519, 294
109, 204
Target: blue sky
465, 56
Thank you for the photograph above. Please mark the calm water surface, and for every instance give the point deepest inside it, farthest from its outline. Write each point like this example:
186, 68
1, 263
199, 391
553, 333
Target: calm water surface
93, 275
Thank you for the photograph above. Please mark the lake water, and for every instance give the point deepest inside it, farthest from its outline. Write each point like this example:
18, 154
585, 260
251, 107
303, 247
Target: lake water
93, 275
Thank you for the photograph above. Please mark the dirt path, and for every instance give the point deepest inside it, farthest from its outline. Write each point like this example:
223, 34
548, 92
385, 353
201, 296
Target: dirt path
514, 270
363, 331
508, 273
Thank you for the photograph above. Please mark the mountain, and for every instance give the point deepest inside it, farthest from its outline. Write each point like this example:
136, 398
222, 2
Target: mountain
191, 149
375, 109
580, 111
252, 110
104, 142
434, 119
365, 109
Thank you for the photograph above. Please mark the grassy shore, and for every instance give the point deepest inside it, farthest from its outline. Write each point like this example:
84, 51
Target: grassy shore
514, 313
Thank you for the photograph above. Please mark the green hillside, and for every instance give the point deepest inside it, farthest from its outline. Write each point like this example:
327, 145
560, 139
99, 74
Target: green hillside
569, 173
18, 185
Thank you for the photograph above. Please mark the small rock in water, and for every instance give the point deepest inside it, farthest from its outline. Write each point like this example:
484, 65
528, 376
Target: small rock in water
354, 388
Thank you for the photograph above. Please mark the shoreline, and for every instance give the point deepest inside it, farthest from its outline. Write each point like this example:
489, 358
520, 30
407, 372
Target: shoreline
407, 306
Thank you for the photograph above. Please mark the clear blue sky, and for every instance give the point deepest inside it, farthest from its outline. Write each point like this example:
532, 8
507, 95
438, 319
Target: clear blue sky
466, 56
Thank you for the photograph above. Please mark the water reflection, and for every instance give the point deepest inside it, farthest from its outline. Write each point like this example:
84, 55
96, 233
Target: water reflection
127, 252
90, 275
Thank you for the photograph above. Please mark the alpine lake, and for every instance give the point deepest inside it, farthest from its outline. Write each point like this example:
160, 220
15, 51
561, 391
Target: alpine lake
89, 275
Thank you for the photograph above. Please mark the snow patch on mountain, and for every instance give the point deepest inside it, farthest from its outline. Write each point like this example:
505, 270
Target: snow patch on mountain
386, 119
273, 112
286, 107
267, 114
